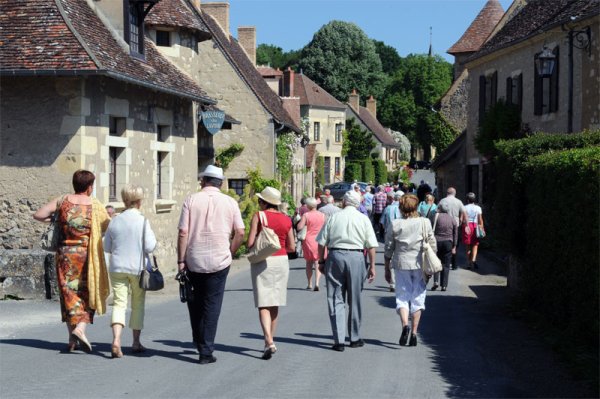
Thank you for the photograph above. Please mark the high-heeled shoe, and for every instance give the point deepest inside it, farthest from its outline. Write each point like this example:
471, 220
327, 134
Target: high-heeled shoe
413, 340
404, 337
115, 352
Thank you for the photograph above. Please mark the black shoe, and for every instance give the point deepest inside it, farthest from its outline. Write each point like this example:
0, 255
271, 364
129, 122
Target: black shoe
404, 336
338, 347
443, 288
206, 359
454, 267
316, 288
435, 287
475, 265
413, 340
392, 289
267, 353
357, 344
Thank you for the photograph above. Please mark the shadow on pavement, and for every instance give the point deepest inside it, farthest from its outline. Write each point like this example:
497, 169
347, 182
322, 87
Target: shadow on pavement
329, 338
218, 347
295, 341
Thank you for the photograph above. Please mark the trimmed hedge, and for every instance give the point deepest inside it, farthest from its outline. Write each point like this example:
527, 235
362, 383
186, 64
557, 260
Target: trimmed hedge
561, 274
352, 171
508, 204
381, 173
368, 173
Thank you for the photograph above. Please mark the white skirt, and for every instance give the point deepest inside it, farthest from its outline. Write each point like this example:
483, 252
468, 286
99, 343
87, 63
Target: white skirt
269, 281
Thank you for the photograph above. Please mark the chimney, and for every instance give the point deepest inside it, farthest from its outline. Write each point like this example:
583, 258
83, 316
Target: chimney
288, 83
354, 101
220, 12
372, 106
197, 4
247, 39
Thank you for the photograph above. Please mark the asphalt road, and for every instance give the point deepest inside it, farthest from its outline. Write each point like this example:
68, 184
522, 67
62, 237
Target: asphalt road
468, 347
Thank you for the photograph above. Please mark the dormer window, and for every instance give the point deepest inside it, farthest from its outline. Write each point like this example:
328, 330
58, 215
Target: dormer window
135, 12
163, 38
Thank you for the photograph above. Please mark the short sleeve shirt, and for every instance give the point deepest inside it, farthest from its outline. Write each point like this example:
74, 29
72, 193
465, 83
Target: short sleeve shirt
209, 217
348, 229
473, 212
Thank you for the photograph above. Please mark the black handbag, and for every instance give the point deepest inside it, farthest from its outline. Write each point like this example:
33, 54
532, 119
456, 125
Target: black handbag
150, 279
186, 289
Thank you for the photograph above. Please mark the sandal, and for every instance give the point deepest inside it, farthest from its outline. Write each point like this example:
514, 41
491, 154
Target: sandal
115, 352
82, 340
72, 346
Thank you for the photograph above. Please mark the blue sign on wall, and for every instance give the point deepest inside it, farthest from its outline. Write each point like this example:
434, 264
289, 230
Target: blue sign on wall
213, 120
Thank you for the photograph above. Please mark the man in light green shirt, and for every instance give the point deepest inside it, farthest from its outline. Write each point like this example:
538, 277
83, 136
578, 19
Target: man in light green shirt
346, 235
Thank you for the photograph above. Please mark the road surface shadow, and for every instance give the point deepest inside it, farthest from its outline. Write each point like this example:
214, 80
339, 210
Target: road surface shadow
481, 352
295, 341
97, 349
376, 342
218, 347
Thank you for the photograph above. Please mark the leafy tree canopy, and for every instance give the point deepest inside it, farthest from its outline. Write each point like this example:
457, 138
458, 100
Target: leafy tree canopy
390, 60
274, 56
341, 57
407, 103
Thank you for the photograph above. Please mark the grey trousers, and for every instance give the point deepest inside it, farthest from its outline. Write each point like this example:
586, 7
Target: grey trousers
345, 274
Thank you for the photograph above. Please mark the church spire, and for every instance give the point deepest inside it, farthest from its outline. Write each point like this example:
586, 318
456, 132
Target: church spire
430, 41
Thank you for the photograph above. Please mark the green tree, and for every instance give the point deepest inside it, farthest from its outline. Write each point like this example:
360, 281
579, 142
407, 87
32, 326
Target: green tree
407, 103
268, 54
358, 143
390, 60
341, 57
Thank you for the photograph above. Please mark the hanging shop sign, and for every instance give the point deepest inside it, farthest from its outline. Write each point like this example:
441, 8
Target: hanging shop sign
213, 120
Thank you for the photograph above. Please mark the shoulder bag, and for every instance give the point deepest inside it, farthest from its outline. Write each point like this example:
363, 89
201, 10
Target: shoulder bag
151, 279
51, 237
431, 263
266, 243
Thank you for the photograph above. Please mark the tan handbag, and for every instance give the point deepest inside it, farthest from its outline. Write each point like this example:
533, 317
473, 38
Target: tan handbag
431, 263
266, 244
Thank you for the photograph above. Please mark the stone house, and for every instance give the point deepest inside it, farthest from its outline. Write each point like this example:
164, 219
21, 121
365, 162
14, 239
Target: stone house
225, 67
386, 147
450, 165
563, 101
84, 87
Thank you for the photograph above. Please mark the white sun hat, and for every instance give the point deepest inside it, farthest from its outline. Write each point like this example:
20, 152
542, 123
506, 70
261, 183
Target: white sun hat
213, 171
270, 195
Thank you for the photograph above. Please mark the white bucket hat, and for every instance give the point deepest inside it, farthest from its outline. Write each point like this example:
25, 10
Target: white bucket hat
270, 195
213, 171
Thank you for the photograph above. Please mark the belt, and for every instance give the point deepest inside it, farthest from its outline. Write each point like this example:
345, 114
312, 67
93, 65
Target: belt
346, 249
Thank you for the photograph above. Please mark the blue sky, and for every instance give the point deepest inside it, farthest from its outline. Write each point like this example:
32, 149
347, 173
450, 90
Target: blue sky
403, 24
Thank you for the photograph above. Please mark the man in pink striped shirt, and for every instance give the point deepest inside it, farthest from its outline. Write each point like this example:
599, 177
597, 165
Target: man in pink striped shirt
207, 221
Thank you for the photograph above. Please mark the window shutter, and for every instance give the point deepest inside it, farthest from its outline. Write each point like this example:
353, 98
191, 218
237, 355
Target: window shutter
554, 84
537, 90
519, 87
494, 88
509, 83
481, 98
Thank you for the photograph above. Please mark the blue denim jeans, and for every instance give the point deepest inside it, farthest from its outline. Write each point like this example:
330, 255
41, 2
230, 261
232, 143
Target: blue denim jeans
206, 308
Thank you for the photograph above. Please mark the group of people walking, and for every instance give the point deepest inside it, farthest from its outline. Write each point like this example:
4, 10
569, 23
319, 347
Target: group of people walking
339, 243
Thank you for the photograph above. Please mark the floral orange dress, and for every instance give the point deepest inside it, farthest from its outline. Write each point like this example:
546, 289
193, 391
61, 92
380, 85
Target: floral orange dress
72, 262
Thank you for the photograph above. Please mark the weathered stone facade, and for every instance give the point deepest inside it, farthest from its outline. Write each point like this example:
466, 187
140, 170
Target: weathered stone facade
519, 59
453, 106
70, 130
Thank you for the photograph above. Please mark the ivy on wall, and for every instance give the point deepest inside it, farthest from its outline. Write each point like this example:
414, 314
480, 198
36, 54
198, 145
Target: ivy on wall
225, 155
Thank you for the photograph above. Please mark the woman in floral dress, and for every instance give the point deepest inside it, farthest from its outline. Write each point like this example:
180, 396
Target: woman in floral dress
80, 265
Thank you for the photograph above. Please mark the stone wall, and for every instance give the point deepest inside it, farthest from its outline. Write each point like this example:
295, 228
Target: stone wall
213, 72
27, 274
69, 130
455, 101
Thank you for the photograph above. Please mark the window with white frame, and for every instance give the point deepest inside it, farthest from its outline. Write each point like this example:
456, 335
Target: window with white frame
317, 131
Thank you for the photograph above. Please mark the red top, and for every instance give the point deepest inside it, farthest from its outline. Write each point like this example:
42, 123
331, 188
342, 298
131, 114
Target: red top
281, 224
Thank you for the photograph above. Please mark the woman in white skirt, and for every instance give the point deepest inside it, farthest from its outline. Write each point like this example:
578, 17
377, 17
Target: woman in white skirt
270, 277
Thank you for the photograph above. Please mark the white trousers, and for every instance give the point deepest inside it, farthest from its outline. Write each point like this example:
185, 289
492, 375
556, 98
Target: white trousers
410, 290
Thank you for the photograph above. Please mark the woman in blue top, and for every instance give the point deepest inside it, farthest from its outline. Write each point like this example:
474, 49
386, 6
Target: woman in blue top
427, 208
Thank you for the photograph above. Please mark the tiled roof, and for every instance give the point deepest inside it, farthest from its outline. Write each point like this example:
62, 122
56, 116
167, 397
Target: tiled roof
64, 46
248, 72
535, 17
311, 93
175, 13
34, 35
371, 123
266, 71
480, 28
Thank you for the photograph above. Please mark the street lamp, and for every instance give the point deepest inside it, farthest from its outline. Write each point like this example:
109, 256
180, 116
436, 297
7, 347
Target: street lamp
545, 62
